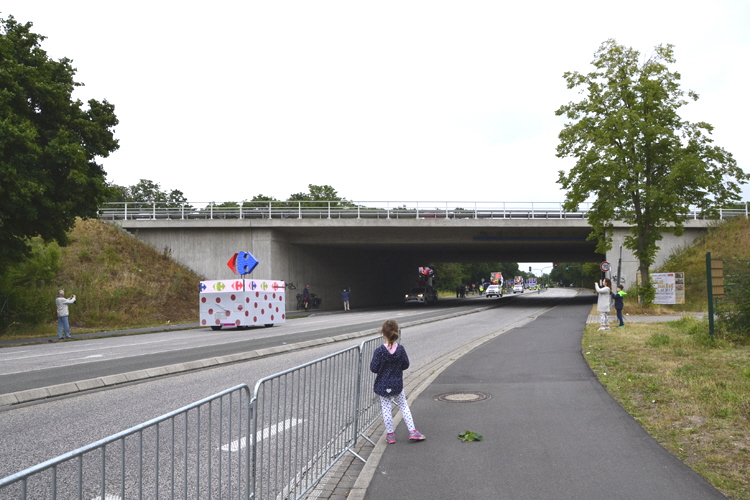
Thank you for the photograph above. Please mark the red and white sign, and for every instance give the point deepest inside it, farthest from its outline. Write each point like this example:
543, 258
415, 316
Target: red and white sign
604, 266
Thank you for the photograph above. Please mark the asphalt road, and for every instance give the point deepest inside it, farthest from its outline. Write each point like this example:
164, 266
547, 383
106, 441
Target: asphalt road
45, 364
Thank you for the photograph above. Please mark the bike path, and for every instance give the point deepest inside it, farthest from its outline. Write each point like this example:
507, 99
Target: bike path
551, 430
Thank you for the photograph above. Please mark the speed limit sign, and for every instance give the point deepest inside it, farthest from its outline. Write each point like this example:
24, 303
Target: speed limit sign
604, 266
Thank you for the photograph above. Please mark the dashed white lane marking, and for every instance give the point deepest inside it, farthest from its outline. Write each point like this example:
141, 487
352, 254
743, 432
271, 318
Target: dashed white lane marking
266, 433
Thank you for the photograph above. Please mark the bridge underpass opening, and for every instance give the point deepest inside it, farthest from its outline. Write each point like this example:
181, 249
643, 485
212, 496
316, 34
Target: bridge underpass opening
380, 266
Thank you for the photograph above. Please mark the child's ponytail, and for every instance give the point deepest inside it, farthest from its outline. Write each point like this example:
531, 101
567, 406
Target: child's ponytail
390, 331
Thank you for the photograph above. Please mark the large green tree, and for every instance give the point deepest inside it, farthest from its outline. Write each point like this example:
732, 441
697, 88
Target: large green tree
49, 143
640, 161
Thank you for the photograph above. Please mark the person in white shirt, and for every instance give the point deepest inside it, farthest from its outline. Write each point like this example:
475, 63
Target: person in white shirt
63, 325
603, 304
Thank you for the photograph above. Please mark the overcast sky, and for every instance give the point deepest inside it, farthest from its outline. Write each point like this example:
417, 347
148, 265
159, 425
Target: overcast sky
389, 100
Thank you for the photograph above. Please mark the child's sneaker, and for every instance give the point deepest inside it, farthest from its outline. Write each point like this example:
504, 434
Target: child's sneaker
390, 438
415, 435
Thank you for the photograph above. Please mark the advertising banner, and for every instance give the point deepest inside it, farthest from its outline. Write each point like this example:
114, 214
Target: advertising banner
669, 287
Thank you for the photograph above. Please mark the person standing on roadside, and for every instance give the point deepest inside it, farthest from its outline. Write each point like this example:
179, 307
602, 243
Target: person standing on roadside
619, 298
389, 362
63, 325
603, 303
306, 297
345, 298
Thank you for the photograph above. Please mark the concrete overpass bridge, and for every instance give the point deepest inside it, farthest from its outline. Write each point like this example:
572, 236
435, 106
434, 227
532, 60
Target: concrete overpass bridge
373, 247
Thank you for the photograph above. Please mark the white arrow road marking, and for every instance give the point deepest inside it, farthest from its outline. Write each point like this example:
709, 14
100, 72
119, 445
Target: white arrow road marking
268, 432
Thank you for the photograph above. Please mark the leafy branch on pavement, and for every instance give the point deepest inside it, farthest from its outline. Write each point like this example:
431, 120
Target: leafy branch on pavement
468, 436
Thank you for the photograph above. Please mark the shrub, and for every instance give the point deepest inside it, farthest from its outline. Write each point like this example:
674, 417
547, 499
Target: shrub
26, 286
733, 310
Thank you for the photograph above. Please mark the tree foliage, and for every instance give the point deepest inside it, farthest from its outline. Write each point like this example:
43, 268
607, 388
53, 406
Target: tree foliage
454, 274
575, 274
25, 285
318, 196
49, 143
145, 192
150, 192
644, 164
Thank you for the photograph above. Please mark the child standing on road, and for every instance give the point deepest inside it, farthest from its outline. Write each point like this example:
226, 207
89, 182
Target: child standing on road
389, 362
619, 304
603, 304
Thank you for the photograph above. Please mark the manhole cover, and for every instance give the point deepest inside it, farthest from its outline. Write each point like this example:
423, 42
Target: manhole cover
462, 397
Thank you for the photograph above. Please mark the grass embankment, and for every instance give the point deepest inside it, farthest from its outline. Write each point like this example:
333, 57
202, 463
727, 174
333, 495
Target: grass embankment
119, 282
691, 394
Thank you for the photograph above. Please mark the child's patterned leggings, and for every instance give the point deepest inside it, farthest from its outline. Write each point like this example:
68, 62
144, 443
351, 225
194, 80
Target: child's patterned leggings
400, 401
604, 320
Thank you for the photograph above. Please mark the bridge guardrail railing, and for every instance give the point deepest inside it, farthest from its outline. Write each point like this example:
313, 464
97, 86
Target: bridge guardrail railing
335, 210
422, 210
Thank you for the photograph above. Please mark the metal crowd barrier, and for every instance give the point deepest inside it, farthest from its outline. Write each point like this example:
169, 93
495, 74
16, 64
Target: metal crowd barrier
313, 415
197, 451
276, 445
368, 407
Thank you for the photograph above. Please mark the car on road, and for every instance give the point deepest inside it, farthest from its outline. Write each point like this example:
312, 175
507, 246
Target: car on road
518, 288
494, 291
421, 295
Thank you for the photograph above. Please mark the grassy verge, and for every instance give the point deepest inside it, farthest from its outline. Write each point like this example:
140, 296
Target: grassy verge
691, 394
